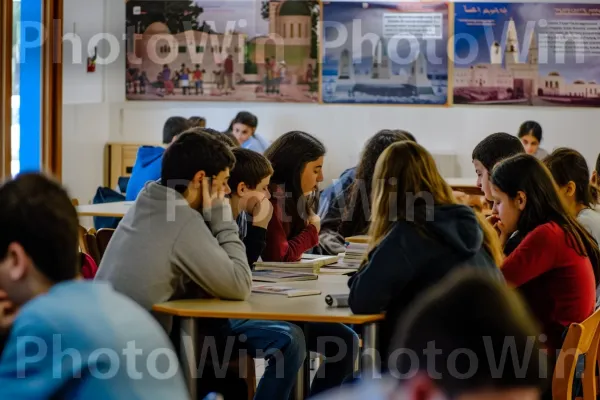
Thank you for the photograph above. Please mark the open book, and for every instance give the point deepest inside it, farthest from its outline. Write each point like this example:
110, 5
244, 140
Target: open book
284, 291
308, 263
282, 276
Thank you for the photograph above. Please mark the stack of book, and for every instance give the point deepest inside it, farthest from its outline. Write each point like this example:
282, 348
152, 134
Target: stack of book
309, 263
281, 276
356, 250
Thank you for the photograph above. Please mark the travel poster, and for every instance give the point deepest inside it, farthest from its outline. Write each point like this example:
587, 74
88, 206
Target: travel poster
534, 54
229, 50
385, 52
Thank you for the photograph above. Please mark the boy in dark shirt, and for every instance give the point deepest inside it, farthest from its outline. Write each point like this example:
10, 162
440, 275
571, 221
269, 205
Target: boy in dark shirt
489, 152
249, 182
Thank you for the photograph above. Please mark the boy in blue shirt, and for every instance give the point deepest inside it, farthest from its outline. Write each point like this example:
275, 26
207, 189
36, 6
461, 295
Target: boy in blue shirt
63, 338
149, 158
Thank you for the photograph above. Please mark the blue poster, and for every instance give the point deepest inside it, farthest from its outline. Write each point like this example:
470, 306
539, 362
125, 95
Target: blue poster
385, 52
531, 54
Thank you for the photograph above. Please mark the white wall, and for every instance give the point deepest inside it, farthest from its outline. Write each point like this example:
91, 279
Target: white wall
343, 128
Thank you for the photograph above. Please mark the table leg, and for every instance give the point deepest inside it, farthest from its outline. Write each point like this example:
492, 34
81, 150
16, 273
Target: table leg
302, 388
188, 354
370, 360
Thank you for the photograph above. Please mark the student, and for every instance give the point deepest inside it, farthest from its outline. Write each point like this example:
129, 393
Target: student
79, 334
570, 172
181, 230
489, 152
249, 182
595, 177
474, 317
332, 191
243, 127
149, 158
297, 160
350, 212
556, 264
415, 240
530, 134
197, 122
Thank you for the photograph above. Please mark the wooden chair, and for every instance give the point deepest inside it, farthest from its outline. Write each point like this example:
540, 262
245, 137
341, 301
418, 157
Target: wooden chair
95, 243
581, 339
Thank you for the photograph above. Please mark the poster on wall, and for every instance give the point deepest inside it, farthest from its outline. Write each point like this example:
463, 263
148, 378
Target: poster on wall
531, 54
219, 50
385, 52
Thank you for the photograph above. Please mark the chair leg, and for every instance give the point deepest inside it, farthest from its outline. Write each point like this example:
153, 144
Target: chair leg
250, 377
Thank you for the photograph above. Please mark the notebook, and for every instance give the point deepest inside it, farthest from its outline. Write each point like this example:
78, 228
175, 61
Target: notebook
284, 291
281, 276
308, 263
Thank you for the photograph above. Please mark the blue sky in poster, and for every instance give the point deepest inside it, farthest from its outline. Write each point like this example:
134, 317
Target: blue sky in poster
527, 16
354, 17
222, 11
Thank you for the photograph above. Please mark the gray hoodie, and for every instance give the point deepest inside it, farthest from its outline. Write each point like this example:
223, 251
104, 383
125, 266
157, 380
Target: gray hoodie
164, 250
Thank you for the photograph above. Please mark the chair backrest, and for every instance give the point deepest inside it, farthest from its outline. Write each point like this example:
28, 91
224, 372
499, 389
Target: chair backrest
103, 236
581, 339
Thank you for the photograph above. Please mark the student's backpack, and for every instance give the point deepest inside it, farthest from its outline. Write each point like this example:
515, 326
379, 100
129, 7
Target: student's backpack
89, 268
107, 195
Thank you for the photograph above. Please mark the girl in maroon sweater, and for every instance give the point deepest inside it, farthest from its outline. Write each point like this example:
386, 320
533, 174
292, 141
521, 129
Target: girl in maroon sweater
556, 264
297, 159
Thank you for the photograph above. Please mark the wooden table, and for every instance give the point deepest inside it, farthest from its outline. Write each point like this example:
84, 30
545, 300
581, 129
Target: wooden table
116, 209
465, 185
276, 308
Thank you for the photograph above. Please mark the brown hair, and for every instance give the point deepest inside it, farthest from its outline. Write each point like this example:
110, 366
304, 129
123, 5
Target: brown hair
403, 168
568, 165
250, 168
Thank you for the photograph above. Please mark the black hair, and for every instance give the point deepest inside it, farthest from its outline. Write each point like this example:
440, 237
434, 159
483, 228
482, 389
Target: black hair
356, 214
244, 118
568, 165
495, 148
251, 168
598, 164
525, 173
531, 128
174, 127
288, 155
36, 212
197, 122
224, 137
445, 315
194, 151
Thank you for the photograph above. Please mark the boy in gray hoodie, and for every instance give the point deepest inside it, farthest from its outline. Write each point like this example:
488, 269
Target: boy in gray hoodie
180, 240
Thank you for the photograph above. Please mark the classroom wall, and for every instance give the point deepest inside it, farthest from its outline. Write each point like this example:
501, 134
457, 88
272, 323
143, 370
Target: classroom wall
95, 112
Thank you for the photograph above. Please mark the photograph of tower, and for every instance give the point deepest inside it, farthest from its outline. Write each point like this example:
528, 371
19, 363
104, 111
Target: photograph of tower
385, 62
516, 55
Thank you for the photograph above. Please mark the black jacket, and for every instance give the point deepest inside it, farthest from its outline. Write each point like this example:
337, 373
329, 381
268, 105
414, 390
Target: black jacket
408, 261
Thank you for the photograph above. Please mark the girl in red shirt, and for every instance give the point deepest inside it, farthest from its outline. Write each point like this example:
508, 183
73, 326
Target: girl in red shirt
297, 160
556, 264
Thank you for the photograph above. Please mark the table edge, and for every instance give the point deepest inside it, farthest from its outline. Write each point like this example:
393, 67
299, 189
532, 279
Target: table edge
354, 319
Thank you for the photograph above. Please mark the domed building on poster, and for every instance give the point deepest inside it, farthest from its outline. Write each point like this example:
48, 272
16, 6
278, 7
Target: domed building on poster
289, 38
506, 74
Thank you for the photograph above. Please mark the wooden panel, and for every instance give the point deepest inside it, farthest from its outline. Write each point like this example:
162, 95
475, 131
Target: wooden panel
52, 88
6, 12
120, 158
